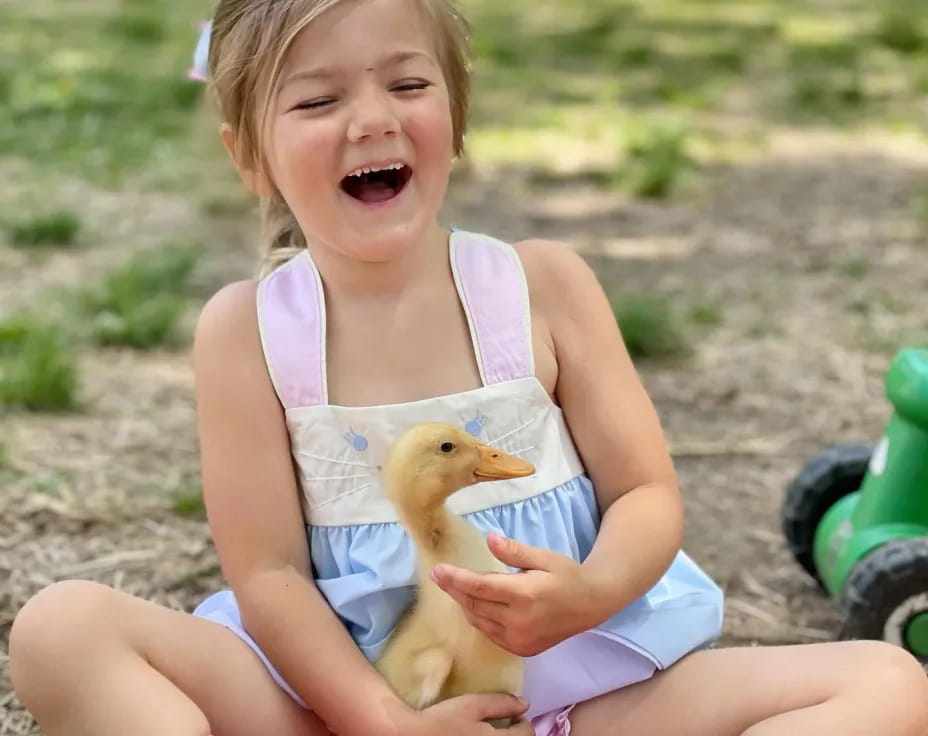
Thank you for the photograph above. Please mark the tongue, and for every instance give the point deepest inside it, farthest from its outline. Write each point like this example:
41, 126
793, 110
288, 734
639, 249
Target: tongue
373, 190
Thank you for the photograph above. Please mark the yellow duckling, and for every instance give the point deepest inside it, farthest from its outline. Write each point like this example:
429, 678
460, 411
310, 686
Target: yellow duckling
435, 653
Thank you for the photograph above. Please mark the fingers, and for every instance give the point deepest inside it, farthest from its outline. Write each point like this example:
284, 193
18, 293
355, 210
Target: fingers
492, 706
524, 556
521, 728
477, 609
496, 587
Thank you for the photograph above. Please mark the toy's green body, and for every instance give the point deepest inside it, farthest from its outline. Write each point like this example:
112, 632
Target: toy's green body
889, 506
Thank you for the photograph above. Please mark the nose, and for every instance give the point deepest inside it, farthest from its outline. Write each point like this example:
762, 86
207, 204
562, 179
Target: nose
372, 117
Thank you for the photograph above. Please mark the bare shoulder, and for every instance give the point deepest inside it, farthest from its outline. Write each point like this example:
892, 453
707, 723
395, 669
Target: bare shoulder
551, 266
562, 285
549, 258
558, 280
227, 326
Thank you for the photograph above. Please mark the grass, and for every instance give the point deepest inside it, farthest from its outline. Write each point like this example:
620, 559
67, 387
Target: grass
761, 328
705, 314
141, 303
138, 26
650, 328
51, 484
59, 227
138, 305
556, 81
657, 160
97, 90
8, 470
901, 26
188, 502
920, 205
854, 268
38, 366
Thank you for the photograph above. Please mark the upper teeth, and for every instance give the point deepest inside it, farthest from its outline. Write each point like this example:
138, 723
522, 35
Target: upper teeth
369, 169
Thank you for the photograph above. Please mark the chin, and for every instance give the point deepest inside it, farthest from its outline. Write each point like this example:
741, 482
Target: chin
386, 242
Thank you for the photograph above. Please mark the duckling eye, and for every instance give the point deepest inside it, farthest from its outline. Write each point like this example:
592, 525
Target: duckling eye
447, 446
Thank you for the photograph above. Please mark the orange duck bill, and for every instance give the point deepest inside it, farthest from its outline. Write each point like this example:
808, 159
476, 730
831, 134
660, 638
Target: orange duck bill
497, 465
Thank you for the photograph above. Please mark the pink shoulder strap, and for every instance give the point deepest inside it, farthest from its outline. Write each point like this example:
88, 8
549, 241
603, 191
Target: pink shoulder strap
494, 292
291, 318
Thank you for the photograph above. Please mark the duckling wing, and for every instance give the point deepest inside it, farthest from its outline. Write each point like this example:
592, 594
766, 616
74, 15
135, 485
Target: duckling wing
416, 666
484, 667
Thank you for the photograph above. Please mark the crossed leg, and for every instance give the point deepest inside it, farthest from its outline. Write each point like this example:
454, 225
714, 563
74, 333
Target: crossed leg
89, 660
844, 688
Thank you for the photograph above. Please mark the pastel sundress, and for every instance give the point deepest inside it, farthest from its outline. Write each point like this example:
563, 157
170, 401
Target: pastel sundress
363, 560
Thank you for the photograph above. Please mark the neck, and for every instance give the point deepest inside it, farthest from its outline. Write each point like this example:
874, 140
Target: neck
429, 525
348, 278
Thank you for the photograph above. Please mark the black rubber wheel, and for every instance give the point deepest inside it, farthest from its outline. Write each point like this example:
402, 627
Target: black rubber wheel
885, 591
827, 478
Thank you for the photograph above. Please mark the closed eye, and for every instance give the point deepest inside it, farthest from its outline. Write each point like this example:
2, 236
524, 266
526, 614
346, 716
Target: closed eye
411, 86
314, 104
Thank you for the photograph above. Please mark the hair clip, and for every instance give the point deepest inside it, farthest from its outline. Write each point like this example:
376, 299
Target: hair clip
200, 69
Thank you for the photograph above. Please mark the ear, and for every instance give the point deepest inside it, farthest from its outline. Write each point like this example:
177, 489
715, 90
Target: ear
255, 180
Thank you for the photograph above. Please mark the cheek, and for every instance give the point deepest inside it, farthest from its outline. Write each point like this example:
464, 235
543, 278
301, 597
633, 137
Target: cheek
304, 152
432, 130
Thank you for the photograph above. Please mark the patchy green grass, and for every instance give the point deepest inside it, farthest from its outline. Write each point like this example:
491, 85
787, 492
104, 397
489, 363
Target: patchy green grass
60, 227
657, 160
705, 314
650, 327
52, 483
606, 64
854, 268
901, 26
140, 304
827, 79
138, 25
762, 327
895, 302
188, 502
38, 366
8, 470
97, 89
920, 204
860, 305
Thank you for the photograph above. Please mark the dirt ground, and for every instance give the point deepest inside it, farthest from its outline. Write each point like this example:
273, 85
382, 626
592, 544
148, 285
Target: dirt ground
811, 250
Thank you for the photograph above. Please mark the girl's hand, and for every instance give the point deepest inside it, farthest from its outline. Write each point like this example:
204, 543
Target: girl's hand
468, 715
550, 600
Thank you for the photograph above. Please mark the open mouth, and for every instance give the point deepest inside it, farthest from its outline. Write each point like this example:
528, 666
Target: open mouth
377, 185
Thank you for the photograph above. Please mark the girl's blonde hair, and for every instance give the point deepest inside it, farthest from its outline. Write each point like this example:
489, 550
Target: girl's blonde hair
248, 45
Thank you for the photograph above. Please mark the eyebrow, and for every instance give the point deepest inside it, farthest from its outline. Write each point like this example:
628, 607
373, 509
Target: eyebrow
327, 72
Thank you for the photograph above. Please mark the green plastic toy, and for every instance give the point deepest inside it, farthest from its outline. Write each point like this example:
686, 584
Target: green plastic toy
856, 519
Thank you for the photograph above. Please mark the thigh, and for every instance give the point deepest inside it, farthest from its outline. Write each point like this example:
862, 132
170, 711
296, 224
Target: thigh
723, 692
83, 621
221, 674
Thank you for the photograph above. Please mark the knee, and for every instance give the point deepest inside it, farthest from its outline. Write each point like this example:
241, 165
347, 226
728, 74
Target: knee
893, 672
52, 627
879, 658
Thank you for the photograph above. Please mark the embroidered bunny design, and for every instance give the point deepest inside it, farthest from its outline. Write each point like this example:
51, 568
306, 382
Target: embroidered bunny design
357, 441
475, 426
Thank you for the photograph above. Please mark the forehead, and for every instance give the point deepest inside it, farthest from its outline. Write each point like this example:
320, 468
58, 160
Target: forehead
358, 33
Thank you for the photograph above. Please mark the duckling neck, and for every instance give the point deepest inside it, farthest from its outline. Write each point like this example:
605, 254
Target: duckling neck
430, 527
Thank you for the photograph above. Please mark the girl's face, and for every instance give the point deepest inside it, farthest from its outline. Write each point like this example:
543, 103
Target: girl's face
359, 140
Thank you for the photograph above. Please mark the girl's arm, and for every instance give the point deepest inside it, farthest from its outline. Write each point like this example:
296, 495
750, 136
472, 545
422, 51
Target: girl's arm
253, 506
613, 423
